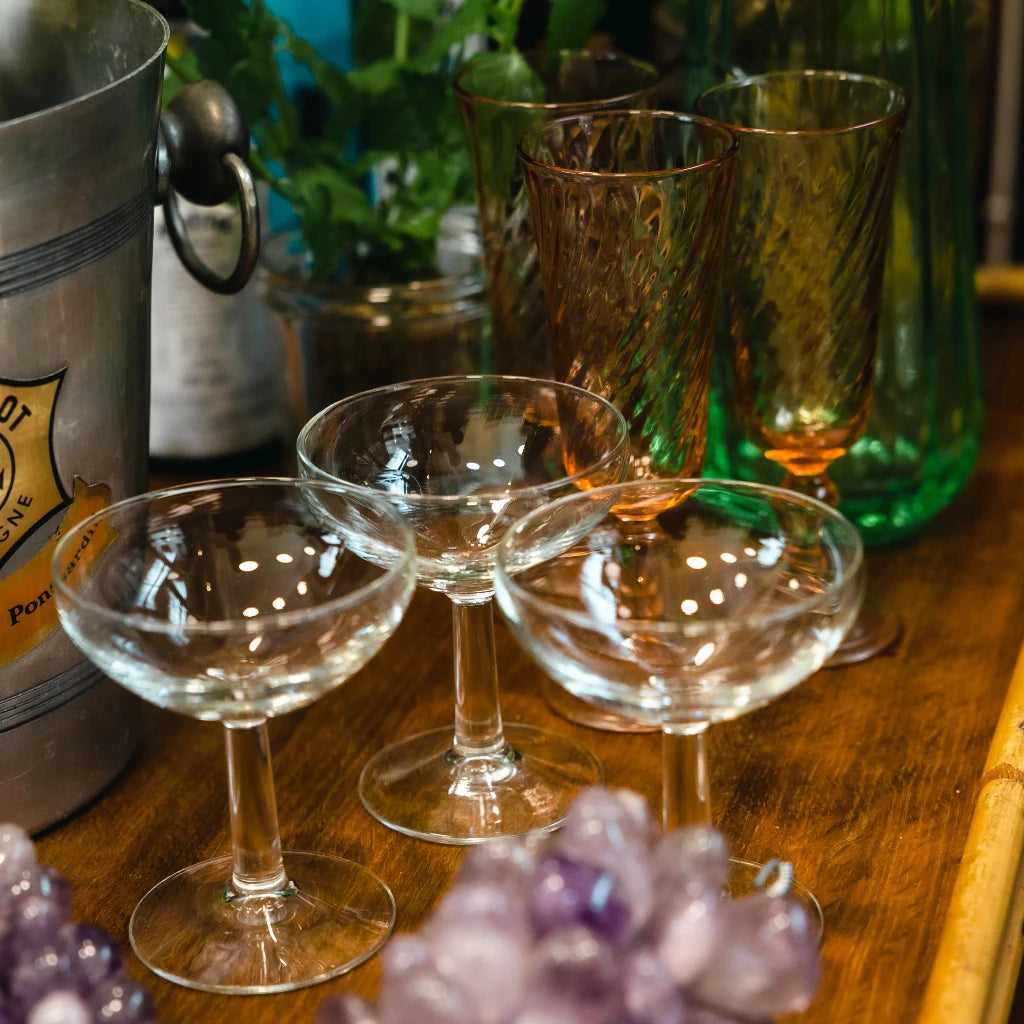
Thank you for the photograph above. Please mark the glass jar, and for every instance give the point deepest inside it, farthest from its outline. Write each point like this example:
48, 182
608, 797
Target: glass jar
338, 339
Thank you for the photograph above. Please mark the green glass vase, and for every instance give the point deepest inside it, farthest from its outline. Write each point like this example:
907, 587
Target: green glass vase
925, 426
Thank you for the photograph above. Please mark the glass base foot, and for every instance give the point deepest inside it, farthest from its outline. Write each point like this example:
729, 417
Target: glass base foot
573, 709
876, 630
421, 787
776, 878
193, 929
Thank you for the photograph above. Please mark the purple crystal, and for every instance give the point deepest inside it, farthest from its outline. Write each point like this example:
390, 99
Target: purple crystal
551, 1009
566, 893
601, 923
685, 929
120, 1000
709, 1015
691, 856
92, 954
575, 966
8, 1013
8, 951
479, 941
345, 1008
403, 953
40, 902
649, 991
413, 988
604, 824
488, 903
16, 854
614, 830
766, 962
38, 972
420, 993
60, 1007
508, 862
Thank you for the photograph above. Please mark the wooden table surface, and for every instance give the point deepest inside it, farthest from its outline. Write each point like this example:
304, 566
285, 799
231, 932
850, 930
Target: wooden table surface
865, 777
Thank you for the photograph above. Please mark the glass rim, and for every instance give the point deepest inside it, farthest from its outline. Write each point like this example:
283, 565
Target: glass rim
596, 56
503, 578
795, 74
532, 133
402, 566
451, 500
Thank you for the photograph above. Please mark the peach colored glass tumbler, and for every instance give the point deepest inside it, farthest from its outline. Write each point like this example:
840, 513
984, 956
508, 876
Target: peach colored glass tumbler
500, 95
818, 159
631, 210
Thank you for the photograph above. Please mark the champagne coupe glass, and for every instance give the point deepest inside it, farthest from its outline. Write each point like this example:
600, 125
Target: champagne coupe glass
691, 602
463, 458
818, 160
632, 210
235, 601
500, 95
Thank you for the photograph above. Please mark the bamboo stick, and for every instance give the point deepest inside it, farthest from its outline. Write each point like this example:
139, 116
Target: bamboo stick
1000, 283
974, 974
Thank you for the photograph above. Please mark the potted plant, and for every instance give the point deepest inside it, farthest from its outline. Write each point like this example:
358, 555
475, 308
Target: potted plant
379, 280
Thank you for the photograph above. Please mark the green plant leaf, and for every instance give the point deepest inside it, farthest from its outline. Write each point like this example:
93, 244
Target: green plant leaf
371, 175
571, 22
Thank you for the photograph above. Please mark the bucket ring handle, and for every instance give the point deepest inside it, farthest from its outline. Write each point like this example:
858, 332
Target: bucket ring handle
250, 241
203, 143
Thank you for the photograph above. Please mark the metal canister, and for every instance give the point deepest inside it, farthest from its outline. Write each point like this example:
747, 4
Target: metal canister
82, 161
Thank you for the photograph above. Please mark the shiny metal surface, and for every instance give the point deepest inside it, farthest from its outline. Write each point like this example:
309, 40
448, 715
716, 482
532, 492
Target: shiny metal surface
80, 85
207, 143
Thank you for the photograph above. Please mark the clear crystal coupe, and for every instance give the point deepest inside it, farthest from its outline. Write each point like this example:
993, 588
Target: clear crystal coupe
463, 458
687, 602
235, 601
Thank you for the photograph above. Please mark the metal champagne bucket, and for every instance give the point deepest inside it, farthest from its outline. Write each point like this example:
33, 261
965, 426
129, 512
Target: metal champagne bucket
84, 155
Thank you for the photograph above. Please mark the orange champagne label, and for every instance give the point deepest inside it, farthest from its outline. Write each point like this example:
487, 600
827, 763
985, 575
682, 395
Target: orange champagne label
30, 492
29, 613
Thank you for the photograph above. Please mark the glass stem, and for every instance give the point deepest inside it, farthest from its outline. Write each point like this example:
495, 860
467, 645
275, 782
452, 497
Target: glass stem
477, 713
256, 841
686, 795
814, 485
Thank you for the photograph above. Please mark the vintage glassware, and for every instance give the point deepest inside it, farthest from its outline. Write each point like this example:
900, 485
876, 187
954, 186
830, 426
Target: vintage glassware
236, 601
337, 339
463, 458
691, 602
631, 212
819, 152
500, 96
924, 428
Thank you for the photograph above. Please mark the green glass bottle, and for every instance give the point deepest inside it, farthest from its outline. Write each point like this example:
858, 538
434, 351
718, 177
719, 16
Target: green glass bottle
925, 428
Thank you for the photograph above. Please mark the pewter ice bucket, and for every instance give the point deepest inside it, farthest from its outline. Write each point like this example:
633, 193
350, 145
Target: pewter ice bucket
84, 155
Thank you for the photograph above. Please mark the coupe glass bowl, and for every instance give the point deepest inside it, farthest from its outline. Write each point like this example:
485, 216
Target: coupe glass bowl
235, 601
462, 458
690, 602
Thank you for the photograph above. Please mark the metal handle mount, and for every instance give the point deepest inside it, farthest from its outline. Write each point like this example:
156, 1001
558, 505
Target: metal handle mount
201, 156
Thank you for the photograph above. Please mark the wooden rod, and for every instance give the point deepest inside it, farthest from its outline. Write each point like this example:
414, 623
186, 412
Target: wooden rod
974, 974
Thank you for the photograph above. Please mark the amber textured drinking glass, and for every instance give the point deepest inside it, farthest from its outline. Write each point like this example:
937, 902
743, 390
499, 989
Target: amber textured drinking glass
631, 210
500, 96
818, 160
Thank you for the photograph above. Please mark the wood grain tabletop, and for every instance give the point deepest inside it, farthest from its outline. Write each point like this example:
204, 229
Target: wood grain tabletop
866, 777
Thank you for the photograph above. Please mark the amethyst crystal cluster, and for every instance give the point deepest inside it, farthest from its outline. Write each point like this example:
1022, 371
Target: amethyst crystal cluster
53, 971
604, 922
